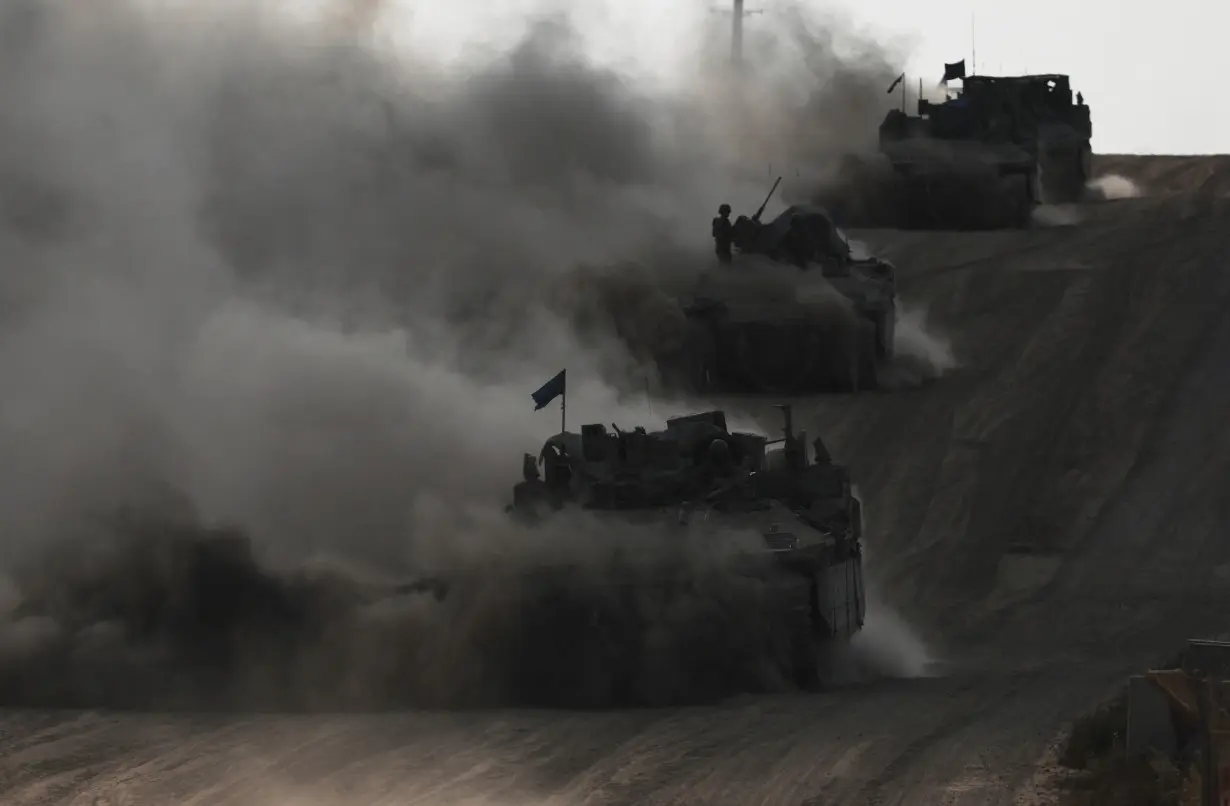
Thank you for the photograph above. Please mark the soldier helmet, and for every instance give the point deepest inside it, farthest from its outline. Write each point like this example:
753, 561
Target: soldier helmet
724, 209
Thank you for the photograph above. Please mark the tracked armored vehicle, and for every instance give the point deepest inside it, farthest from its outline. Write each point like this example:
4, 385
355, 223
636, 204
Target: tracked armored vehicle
720, 536
821, 317
699, 482
983, 159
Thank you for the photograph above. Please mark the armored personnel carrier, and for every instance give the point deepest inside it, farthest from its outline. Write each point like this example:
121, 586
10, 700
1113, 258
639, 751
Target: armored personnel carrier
698, 481
983, 159
821, 317
800, 309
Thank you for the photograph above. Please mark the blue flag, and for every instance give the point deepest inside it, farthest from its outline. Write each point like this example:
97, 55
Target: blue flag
550, 390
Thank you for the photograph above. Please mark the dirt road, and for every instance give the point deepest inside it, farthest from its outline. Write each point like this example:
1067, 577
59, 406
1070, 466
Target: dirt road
1051, 515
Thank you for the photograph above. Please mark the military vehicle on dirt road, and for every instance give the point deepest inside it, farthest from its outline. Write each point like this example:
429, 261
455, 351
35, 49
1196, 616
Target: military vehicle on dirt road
818, 315
708, 520
800, 524
983, 159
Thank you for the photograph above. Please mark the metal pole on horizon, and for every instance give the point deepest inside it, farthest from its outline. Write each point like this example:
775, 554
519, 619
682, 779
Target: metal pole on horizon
736, 30
736, 35
973, 43
563, 411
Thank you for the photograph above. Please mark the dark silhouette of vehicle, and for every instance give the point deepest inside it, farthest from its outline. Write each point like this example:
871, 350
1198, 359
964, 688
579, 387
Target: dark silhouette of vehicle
983, 159
821, 317
695, 481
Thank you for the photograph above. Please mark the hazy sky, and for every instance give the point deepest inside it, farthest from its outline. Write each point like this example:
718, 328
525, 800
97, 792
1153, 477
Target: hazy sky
1153, 74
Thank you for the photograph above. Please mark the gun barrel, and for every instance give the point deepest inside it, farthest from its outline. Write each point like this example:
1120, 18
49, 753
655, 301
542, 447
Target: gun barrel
765, 203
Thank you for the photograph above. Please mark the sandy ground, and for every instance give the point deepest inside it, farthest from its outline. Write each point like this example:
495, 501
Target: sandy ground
1050, 516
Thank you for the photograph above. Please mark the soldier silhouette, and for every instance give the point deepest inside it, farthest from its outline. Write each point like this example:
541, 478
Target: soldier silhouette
723, 234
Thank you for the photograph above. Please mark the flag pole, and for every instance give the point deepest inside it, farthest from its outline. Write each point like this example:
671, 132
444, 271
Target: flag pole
563, 410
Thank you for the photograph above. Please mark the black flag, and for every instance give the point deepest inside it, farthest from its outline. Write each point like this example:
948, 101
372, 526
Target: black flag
953, 71
551, 389
896, 81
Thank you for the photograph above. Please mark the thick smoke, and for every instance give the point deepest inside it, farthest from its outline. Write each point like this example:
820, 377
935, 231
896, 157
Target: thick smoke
308, 288
802, 130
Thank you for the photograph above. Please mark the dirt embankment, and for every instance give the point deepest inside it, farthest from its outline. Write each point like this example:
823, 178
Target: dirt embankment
1076, 347
1162, 175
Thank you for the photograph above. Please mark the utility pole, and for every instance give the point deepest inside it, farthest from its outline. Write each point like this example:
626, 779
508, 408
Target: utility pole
736, 31
736, 34
973, 43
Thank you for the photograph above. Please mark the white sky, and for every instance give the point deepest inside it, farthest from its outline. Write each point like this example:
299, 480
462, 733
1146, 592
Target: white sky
1153, 75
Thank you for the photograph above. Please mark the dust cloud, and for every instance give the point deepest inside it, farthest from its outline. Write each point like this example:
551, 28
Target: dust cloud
815, 110
1055, 215
1112, 187
922, 353
888, 646
265, 275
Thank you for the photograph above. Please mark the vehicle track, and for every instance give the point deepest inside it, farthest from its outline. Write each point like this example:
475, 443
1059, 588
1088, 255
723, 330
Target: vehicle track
1051, 516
